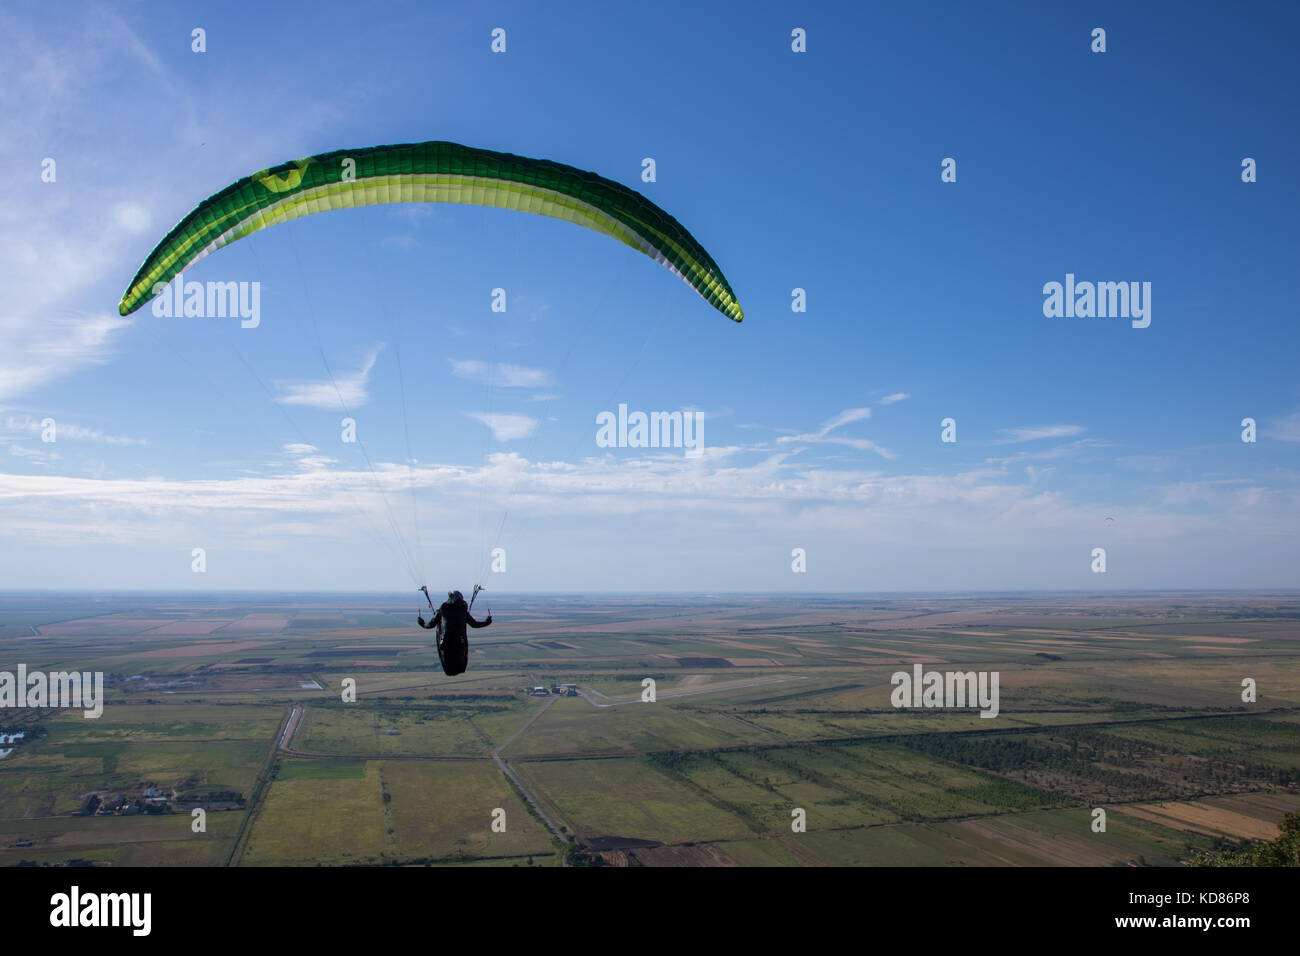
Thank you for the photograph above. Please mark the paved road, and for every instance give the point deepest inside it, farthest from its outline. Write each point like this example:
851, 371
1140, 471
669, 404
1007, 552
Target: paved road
291, 727
505, 768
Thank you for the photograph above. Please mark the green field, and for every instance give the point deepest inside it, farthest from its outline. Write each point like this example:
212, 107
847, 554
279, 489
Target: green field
764, 713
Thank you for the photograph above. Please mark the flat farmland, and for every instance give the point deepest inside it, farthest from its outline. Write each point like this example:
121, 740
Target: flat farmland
307, 820
651, 805
433, 728
765, 706
442, 811
143, 840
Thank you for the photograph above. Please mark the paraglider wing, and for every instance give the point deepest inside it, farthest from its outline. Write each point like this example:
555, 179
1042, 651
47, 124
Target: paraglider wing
430, 172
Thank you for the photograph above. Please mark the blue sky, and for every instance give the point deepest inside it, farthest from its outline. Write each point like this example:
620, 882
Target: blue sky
817, 170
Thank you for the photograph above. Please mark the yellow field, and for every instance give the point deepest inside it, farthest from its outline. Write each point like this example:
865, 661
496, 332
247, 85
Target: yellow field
1202, 818
308, 821
443, 809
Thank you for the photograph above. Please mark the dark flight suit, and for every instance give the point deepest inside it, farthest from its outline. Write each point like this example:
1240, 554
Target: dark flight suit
453, 649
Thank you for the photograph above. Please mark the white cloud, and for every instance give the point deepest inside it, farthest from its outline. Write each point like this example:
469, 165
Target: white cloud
976, 528
132, 218
861, 444
307, 457
1285, 429
505, 376
399, 241
35, 348
1036, 432
712, 489
29, 425
844, 418
67, 246
43, 456
340, 391
823, 436
1067, 450
896, 397
58, 240
506, 427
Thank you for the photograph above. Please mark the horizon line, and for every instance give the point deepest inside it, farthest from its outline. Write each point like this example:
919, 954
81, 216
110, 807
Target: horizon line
8, 592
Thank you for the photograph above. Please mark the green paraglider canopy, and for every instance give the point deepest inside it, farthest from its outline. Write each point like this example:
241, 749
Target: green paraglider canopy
430, 172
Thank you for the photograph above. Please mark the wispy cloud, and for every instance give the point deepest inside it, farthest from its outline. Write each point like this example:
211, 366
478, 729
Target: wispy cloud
844, 418
1067, 450
344, 390
896, 397
1285, 429
307, 456
505, 376
35, 348
64, 243
40, 455
1036, 432
506, 427
61, 239
399, 241
28, 425
823, 436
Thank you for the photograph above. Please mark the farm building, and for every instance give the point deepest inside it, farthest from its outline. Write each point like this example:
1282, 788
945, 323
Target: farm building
111, 803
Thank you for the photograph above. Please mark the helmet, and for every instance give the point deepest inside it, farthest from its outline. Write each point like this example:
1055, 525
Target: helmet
455, 597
